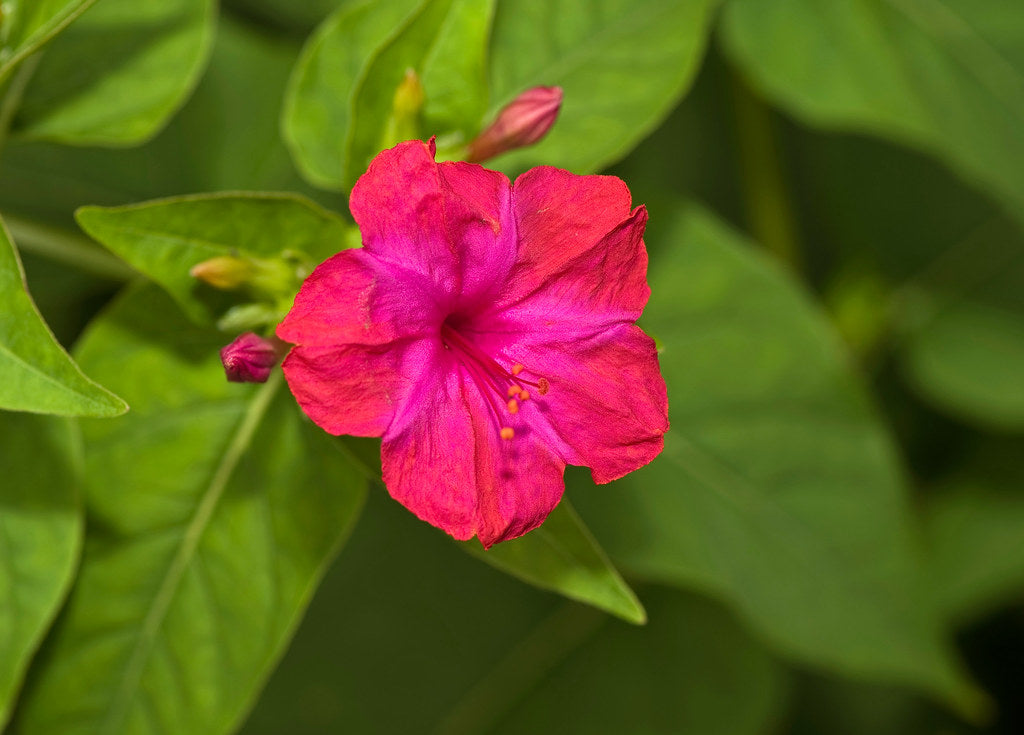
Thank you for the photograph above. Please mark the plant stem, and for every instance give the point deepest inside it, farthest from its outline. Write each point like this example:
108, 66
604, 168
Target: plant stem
767, 199
554, 638
13, 93
65, 246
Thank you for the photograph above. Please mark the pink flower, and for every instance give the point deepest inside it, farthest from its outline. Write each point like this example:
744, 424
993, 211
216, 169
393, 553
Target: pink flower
250, 358
486, 332
521, 122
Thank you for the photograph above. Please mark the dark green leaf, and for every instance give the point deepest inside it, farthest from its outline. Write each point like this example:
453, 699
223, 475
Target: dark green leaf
563, 556
778, 489
214, 508
943, 75
38, 376
341, 92
40, 536
27, 24
165, 238
144, 57
623, 64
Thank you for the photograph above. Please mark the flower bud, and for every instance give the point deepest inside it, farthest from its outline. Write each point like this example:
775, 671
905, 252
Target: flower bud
250, 358
224, 272
522, 122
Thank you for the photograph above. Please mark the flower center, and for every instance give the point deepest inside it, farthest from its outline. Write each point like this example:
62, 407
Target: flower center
508, 385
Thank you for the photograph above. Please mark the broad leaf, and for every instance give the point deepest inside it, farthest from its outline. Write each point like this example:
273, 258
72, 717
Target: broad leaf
213, 508
964, 346
165, 238
341, 93
564, 557
623, 64
778, 489
38, 375
41, 532
144, 57
944, 75
27, 24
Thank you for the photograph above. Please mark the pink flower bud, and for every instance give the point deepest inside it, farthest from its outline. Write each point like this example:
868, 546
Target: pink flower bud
522, 122
250, 358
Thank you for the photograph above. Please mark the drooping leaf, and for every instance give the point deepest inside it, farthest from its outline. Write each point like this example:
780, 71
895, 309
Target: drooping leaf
41, 532
144, 58
341, 92
165, 238
38, 375
564, 557
946, 76
214, 509
964, 346
28, 24
622, 64
779, 489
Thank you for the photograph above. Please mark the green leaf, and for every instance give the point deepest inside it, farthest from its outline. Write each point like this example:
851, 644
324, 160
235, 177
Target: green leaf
779, 489
622, 64
963, 348
975, 525
163, 239
38, 375
214, 508
28, 24
562, 556
943, 75
40, 536
341, 92
144, 58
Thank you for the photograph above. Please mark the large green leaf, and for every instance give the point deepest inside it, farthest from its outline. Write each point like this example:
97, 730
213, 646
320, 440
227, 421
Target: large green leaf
28, 24
144, 57
38, 376
341, 93
213, 509
622, 64
779, 489
943, 75
40, 536
165, 238
963, 348
441, 638
564, 557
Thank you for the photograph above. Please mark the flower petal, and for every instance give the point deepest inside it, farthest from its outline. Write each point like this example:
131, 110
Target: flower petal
446, 462
450, 222
354, 298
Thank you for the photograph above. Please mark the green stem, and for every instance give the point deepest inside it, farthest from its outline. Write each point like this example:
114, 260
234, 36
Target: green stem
13, 94
68, 247
547, 645
764, 188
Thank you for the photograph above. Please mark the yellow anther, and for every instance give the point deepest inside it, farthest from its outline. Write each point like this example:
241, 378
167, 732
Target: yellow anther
513, 407
517, 368
513, 391
523, 395
507, 433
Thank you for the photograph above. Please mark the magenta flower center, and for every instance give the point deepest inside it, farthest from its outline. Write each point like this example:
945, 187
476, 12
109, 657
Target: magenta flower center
503, 388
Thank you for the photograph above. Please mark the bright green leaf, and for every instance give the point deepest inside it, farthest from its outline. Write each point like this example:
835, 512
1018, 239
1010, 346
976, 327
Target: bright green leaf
943, 75
38, 375
563, 556
779, 489
40, 536
143, 59
964, 346
27, 24
163, 239
341, 93
214, 508
623, 65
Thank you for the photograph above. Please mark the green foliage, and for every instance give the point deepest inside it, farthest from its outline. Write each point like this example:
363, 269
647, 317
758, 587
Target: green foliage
779, 489
144, 57
621, 63
213, 510
38, 375
41, 532
28, 24
564, 557
165, 238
